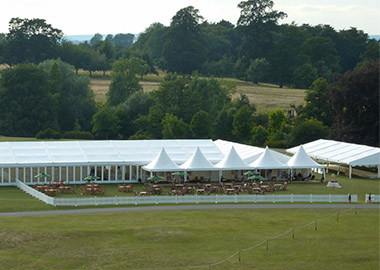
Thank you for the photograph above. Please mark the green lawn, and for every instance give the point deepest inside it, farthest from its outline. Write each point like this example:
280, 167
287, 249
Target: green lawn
181, 239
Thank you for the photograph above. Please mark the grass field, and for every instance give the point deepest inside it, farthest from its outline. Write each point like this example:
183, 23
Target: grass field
266, 97
182, 239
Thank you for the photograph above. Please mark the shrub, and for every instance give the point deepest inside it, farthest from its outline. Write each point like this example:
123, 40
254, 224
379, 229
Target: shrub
48, 134
76, 134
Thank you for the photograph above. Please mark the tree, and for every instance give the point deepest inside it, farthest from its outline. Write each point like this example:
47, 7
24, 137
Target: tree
105, 124
307, 130
355, 99
26, 105
258, 69
183, 50
136, 105
173, 127
317, 105
201, 125
124, 82
256, 23
75, 99
96, 40
243, 124
31, 40
123, 40
277, 128
259, 136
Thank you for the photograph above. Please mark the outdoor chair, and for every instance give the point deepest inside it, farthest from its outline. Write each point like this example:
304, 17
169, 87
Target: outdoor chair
83, 190
101, 190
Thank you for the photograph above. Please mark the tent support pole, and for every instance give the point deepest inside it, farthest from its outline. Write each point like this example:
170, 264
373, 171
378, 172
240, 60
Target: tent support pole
220, 176
378, 171
350, 171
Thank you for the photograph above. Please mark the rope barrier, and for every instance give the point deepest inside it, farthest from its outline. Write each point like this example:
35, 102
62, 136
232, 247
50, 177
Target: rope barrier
259, 244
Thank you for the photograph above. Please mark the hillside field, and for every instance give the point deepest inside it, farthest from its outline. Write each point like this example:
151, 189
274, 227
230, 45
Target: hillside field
266, 97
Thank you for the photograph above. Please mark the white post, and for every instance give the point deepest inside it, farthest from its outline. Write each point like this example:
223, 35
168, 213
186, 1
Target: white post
378, 171
24, 174
80, 173
52, 173
130, 172
220, 176
109, 173
137, 172
102, 173
17, 173
185, 178
38, 172
123, 172
9, 174
31, 174
2, 175
88, 170
116, 173
60, 173
338, 170
67, 174
74, 178
350, 171
45, 171
324, 174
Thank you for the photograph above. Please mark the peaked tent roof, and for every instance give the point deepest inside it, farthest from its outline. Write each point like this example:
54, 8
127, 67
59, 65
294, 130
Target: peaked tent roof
268, 161
341, 152
162, 163
247, 152
301, 160
232, 161
198, 162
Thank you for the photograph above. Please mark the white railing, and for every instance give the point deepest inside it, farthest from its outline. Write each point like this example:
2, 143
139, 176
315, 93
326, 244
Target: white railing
274, 198
203, 199
375, 198
35, 193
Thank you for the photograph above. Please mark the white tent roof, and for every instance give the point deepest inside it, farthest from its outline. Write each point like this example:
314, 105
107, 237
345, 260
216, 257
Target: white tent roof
341, 152
82, 153
162, 163
232, 161
268, 161
302, 161
247, 152
198, 162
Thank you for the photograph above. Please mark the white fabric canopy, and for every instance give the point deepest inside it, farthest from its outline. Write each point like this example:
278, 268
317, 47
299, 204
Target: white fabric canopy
302, 161
268, 161
247, 152
341, 152
198, 162
162, 163
232, 161
83, 153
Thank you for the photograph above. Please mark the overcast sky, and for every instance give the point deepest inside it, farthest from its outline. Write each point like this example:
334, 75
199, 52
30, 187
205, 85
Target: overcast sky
87, 17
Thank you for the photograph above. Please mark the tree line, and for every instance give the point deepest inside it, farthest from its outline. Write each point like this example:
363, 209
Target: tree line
53, 100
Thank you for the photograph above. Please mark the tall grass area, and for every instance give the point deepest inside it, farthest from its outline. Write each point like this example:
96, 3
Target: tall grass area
266, 97
181, 239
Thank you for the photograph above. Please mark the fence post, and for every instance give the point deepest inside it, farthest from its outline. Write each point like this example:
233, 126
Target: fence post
156, 199
96, 202
115, 199
329, 198
75, 202
311, 198
291, 198
273, 196
216, 198
255, 198
235, 198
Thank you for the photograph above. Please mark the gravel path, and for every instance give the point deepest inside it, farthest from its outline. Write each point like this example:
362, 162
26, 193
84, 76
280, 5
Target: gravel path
192, 207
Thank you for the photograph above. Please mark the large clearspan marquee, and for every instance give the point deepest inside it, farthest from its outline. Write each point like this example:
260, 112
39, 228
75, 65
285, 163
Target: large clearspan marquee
343, 153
